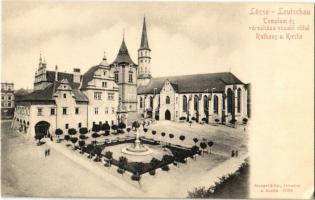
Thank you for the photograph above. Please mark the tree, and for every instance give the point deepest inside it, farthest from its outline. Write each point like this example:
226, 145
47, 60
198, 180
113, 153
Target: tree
182, 138
171, 136
98, 153
109, 156
145, 130
83, 130
195, 140
106, 127
95, 135
96, 128
163, 135
210, 143
154, 163
153, 133
67, 138
72, 131
194, 150
89, 149
122, 163
74, 140
203, 145
114, 127
135, 125
38, 136
128, 130
81, 144
121, 125
139, 168
58, 132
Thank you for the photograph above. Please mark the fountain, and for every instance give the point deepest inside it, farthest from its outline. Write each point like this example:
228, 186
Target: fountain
137, 149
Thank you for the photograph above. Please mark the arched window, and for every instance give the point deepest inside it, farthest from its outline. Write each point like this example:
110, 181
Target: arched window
167, 100
184, 103
215, 104
151, 102
230, 102
239, 96
196, 102
141, 102
205, 103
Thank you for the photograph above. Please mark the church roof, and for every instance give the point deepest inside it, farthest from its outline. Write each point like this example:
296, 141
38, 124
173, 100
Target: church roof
144, 38
123, 55
196, 83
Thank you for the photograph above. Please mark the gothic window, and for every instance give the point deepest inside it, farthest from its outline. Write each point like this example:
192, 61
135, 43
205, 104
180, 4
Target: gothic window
205, 103
130, 77
141, 101
151, 102
239, 93
167, 100
230, 97
196, 102
184, 103
215, 104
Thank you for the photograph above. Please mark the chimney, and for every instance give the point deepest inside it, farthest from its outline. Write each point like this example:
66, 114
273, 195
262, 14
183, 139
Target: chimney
56, 73
76, 75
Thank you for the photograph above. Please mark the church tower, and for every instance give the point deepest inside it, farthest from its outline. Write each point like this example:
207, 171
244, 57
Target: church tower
125, 73
144, 58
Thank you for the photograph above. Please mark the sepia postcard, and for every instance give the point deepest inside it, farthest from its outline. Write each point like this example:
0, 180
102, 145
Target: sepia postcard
157, 99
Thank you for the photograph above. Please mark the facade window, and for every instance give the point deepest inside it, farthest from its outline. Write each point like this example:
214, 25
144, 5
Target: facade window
151, 102
80, 125
2, 97
130, 78
111, 96
196, 103
98, 95
239, 96
64, 111
96, 111
184, 103
215, 104
9, 97
104, 72
64, 95
39, 111
141, 102
67, 126
77, 111
52, 111
205, 103
116, 77
167, 100
2, 104
130, 107
113, 110
230, 97
106, 110
9, 104
104, 84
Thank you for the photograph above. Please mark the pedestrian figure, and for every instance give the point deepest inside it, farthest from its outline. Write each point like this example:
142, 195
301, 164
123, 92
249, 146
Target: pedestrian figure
232, 153
236, 153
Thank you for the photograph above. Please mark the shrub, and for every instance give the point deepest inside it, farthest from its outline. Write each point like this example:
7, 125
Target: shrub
165, 168
120, 171
72, 131
107, 132
204, 119
245, 120
233, 121
83, 130
135, 177
193, 118
152, 172
182, 118
217, 120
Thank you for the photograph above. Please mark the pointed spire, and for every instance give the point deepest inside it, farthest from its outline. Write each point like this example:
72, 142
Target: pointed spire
104, 61
104, 58
123, 54
144, 38
40, 57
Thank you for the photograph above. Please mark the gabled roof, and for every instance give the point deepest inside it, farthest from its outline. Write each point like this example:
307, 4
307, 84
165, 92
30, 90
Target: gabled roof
47, 93
144, 38
88, 76
123, 55
50, 75
196, 83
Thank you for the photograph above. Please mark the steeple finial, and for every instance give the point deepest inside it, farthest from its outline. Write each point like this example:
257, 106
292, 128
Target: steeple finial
40, 57
104, 58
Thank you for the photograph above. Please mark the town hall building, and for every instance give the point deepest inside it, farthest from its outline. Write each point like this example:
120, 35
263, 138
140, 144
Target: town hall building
125, 91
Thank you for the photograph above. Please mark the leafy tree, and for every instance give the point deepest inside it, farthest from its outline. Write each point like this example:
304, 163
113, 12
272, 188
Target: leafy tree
81, 144
194, 150
145, 130
58, 132
98, 153
83, 130
139, 168
95, 135
74, 140
163, 135
121, 125
122, 163
217, 120
182, 138
195, 140
109, 156
171, 136
153, 133
67, 138
96, 128
89, 149
154, 163
114, 127
203, 145
135, 125
210, 143
105, 127
245, 120
82, 137
72, 131
128, 130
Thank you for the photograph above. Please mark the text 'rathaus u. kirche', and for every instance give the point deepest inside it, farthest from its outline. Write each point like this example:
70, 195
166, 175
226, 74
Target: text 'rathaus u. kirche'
123, 90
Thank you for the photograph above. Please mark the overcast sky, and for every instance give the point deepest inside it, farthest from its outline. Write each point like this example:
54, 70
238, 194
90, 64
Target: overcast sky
185, 38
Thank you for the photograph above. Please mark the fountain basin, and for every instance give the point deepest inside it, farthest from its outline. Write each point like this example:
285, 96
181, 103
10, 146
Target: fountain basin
137, 150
